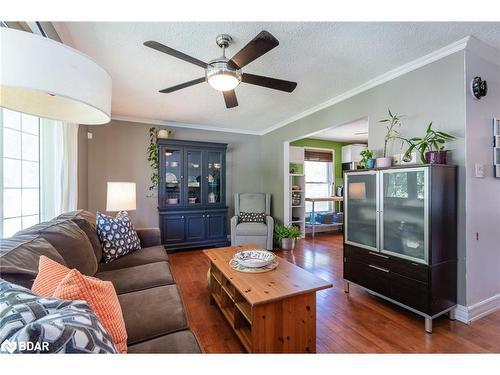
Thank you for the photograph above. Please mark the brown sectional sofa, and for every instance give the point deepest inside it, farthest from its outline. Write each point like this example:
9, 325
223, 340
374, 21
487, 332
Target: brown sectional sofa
151, 303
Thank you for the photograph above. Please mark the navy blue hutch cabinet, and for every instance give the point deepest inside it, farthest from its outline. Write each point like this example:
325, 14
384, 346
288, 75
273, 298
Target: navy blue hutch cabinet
192, 194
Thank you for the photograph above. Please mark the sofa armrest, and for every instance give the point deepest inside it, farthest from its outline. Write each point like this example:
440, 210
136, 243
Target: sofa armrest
270, 232
149, 236
234, 223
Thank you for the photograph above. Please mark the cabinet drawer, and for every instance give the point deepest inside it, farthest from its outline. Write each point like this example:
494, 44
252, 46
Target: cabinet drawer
410, 269
410, 292
368, 275
367, 256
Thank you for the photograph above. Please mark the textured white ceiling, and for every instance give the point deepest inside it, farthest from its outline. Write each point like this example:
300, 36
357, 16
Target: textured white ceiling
326, 59
352, 132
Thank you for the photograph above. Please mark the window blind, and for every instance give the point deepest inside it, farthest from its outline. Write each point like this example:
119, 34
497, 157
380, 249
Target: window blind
316, 155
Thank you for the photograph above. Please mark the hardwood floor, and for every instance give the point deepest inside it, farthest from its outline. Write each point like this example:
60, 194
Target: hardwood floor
346, 323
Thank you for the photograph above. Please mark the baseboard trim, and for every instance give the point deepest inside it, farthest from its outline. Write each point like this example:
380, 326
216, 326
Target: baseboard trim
468, 314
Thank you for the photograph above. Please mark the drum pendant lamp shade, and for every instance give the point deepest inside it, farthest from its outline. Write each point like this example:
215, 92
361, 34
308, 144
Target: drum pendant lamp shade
45, 78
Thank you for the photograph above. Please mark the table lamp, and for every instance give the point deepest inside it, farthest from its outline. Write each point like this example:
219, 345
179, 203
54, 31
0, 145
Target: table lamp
121, 197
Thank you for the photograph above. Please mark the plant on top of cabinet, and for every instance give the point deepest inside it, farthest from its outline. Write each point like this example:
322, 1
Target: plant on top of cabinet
153, 157
392, 132
431, 147
367, 160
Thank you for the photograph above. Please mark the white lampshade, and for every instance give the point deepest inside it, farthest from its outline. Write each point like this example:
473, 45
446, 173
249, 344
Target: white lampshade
357, 190
120, 196
45, 78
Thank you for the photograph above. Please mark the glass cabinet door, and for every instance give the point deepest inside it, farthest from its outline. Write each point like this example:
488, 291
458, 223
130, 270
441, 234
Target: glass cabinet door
404, 202
171, 181
194, 167
214, 167
361, 209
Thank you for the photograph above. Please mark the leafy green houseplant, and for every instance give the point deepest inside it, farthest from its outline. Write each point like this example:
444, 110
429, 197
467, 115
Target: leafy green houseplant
152, 152
285, 236
431, 147
367, 160
393, 124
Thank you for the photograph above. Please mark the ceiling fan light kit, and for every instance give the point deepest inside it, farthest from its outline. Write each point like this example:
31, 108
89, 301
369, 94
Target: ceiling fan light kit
225, 74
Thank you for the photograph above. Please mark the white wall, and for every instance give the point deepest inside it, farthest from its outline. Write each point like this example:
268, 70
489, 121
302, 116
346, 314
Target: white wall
482, 194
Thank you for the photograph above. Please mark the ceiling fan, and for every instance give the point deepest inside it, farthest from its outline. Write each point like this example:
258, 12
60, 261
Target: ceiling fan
225, 74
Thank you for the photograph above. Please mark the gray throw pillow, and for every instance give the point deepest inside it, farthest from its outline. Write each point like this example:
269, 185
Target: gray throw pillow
117, 235
34, 324
252, 217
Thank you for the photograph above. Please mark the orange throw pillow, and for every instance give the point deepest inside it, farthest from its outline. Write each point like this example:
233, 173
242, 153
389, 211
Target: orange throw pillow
102, 298
50, 274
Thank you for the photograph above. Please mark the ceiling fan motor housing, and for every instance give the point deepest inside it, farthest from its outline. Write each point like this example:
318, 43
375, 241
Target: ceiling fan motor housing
220, 66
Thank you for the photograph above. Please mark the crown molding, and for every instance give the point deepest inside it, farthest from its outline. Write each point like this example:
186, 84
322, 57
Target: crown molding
390, 75
141, 120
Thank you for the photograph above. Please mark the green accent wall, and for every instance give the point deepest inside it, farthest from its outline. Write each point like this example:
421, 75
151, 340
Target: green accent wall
336, 146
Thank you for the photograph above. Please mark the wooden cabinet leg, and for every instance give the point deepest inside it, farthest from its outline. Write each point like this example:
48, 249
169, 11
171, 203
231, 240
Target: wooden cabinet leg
428, 325
346, 286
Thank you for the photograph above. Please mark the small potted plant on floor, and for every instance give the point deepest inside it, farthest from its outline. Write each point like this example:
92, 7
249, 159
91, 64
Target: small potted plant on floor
285, 236
431, 146
392, 132
367, 160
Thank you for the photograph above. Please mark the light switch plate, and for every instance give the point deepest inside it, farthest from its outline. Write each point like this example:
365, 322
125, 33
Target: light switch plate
90, 135
479, 170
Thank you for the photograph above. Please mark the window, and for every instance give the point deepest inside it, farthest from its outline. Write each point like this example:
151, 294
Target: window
319, 181
20, 169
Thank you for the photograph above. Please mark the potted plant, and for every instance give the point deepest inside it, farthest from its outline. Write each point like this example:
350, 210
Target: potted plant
367, 160
430, 147
285, 236
392, 132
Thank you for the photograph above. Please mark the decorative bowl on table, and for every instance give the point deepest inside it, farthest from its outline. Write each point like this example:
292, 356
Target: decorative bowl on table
254, 258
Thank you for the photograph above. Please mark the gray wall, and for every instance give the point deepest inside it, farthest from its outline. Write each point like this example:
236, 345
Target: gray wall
117, 152
434, 92
82, 167
483, 194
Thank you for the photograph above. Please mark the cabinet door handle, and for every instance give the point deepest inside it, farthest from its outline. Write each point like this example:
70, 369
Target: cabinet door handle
379, 255
378, 268
208, 215
182, 217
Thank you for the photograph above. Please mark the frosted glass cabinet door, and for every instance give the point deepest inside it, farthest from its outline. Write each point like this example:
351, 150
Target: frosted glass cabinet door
404, 213
361, 209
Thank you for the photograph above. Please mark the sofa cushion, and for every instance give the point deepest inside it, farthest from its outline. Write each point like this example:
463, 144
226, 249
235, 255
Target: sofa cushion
118, 236
101, 297
153, 312
136, 278
20, 255
178, 342
57, 326
50, 274
143, 256
251, 229
251, 217
86, 221
70, 241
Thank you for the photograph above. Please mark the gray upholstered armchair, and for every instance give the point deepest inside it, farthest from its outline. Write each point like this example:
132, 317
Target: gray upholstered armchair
252, 233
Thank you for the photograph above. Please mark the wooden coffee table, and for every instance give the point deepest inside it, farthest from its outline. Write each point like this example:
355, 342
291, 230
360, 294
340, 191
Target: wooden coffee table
270, 312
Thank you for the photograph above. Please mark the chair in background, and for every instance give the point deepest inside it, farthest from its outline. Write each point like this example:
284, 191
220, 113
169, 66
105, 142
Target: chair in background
260, 234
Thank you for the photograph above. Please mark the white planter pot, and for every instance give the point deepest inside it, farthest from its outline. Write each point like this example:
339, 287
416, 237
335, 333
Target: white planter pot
384, 162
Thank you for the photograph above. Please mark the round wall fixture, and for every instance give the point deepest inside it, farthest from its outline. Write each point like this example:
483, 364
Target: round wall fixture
478, 87
45, 78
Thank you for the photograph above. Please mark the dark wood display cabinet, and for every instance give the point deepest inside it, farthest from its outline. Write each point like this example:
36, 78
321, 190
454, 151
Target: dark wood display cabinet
400, 238
192, 194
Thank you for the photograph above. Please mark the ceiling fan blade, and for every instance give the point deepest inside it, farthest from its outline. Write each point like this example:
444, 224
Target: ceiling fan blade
183, 85
230, 98
172, 52
262, 43
272, 83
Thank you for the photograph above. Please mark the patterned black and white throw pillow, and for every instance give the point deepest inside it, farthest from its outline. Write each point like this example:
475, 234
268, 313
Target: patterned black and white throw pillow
117, 235
34, 324
252, 217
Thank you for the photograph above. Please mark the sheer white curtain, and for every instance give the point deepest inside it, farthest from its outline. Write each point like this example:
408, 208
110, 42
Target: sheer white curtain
58, 168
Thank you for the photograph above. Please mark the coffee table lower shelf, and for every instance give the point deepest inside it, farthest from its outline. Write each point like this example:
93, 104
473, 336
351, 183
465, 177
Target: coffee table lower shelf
287, 325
